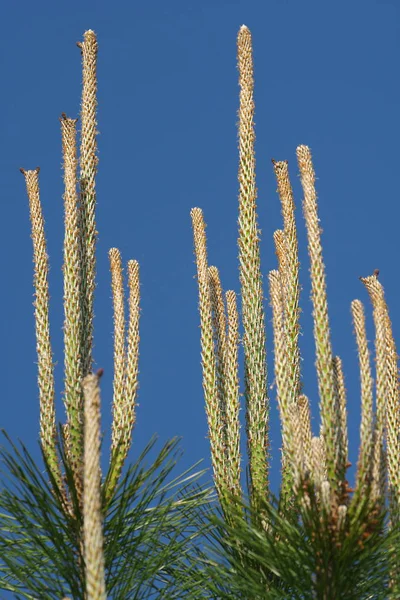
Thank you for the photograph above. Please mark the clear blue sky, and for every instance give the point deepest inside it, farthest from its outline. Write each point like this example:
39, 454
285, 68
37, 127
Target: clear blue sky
326, 76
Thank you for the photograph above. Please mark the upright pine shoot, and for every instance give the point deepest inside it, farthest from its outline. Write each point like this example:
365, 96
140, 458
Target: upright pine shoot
232, 394
73, 398
87, 182
255, 370
92, 511
365, 458
117, 286
326, 381
219, 327
132, 358
210, 384
126, 366
375, 292
291, 285
48, 432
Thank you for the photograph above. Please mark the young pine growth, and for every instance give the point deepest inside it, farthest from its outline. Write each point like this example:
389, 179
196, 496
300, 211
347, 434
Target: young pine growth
76, 532
342, 529
83, 494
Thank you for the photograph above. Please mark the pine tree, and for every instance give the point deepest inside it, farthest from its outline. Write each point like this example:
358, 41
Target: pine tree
319, 538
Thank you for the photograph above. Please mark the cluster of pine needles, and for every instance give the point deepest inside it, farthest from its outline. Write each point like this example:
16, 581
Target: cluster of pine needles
139, 532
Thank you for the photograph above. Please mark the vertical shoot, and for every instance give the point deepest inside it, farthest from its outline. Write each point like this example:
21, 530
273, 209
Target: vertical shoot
255, 371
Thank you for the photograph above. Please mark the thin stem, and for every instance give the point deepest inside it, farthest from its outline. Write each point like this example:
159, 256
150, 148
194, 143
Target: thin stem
291, 285
73, 397
92, 512
324, 364
117, 286
87, 216
210, 386
219, 327
251, 281
43, 343
232, 393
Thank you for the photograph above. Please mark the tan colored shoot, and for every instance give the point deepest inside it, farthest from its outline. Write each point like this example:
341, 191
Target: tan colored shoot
280, 251
73, 398
366, 453
126, 366
251, 281
232, 395
280, 357
88, 170
291, 285
132, 361
92, 511
284, 386
305, 419
43, 344
326, 384
340, 392
392, 416
117, 286
387, 392
375, 291
210, 385
219, 327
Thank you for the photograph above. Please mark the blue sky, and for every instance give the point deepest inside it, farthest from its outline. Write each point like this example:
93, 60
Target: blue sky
326, 76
